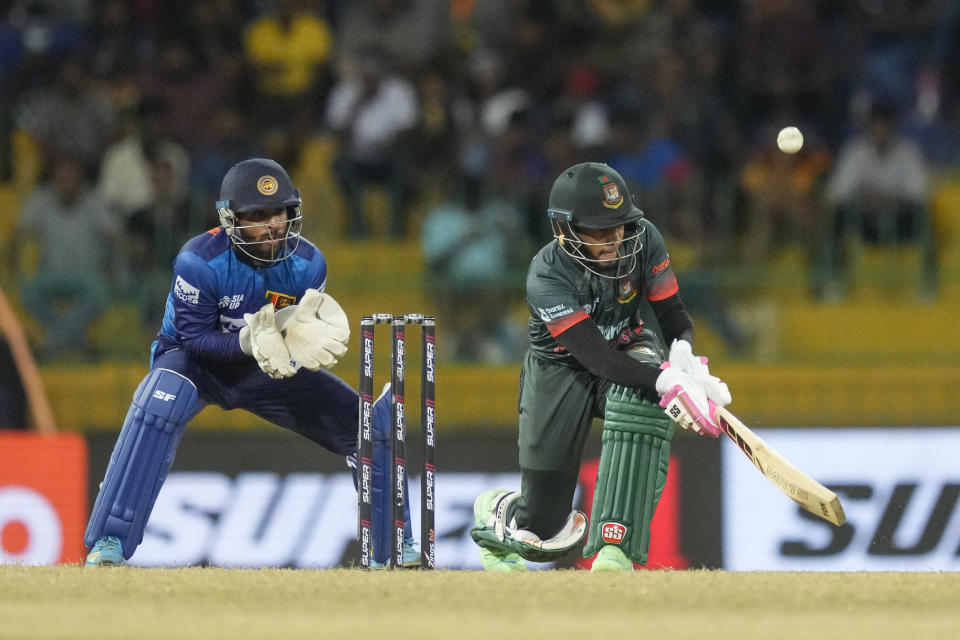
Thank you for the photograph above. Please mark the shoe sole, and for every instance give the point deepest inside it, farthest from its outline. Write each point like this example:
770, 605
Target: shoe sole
609, 567
104, 563
491, 562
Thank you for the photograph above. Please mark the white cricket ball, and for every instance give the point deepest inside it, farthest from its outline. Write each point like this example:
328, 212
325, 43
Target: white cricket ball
790, 140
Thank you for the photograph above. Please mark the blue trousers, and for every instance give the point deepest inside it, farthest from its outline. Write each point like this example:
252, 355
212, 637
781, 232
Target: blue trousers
316, 404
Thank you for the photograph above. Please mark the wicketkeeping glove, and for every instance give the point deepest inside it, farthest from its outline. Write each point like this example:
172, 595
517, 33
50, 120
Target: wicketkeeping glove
315, 331
262, 340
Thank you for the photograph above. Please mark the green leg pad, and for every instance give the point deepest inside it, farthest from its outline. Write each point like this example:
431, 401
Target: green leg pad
634, 458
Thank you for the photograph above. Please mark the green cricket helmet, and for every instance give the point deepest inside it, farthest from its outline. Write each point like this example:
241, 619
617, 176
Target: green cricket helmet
593, 195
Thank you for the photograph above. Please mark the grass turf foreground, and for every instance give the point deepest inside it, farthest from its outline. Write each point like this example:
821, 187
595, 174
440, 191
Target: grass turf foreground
208, 603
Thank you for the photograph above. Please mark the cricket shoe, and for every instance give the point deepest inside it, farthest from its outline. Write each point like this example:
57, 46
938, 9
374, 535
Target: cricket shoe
502, 561
611, 558
484, 515
107, 552
411, 555
484, 507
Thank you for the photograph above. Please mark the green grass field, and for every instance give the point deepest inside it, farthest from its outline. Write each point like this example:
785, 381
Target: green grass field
72, 602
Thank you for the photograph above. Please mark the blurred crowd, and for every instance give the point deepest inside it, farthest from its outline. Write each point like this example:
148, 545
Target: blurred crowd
119, 118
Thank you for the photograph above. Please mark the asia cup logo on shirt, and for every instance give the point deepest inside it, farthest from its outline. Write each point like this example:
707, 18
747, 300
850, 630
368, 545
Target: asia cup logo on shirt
267, 185
613, 532
280, 300
612, 198
230, 302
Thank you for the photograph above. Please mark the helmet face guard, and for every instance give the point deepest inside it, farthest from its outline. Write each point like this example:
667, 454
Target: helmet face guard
565, 233
593, 195
260, 184
290, 239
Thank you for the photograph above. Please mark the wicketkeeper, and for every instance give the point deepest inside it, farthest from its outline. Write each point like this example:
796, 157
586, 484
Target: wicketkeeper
247, 326
591, 357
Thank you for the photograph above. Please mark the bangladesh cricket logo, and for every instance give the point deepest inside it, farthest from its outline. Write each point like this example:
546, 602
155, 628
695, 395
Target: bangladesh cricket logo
612, 198
626, 291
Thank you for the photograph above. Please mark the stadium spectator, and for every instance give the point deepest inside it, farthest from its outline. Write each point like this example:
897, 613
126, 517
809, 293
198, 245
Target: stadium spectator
411, 33
472, 245
289, 47
75, 235
373, 113
126, 171
879, 190
782, 60
781, 197
69, 117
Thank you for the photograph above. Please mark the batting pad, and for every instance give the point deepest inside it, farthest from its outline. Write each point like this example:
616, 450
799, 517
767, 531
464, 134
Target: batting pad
493, 532
634, 457
162, 405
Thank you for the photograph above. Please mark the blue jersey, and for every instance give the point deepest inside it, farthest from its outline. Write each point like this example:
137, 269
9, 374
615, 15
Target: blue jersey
212, 288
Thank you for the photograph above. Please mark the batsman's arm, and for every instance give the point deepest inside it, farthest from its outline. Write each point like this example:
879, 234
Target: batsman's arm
675, 321
585, 343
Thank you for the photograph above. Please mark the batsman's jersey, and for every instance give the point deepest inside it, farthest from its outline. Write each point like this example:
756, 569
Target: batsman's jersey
212, 288
561, 293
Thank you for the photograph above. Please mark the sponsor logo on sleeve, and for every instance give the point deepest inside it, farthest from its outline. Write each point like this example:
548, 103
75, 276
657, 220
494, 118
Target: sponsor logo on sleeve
186, 291
549, 314
660, 267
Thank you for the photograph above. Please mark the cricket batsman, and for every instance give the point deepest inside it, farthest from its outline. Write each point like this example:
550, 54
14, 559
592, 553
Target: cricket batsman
590, 356
247, 325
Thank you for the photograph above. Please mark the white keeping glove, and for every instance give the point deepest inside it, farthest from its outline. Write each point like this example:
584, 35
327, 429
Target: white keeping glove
685, 400
315, 331
682, 358
262, 340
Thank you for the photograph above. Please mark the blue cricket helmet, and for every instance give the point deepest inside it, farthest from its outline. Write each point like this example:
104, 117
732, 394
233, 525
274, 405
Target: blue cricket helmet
256, 184
259, 184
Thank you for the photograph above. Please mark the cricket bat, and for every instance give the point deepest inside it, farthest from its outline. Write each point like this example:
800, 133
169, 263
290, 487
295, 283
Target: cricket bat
804, 490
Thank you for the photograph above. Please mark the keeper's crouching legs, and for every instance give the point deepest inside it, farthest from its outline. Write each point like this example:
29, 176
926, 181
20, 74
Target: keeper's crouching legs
634, 458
